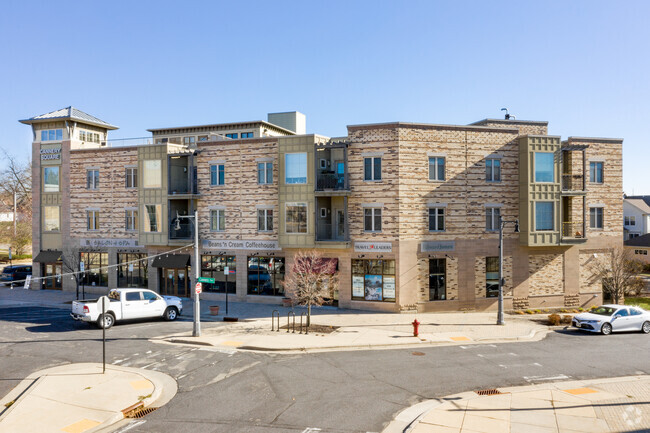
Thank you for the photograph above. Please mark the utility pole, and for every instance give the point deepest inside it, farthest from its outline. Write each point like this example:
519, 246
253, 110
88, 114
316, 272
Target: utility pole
197, 268
502, 224
15, 212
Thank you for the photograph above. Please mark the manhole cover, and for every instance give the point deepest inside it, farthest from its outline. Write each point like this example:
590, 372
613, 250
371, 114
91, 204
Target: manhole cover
417, 353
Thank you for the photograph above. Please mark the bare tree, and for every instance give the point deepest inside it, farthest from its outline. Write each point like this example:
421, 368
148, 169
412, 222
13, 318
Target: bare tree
71, 263
16, 181
619, 273
311, 280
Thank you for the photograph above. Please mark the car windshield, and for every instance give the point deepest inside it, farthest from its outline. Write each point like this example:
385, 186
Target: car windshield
603, 311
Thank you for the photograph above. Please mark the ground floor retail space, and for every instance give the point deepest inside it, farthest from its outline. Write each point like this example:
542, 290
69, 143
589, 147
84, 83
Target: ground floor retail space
381, 276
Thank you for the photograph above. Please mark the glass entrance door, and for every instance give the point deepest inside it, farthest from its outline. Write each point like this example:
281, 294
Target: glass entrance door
52, 274
175, 282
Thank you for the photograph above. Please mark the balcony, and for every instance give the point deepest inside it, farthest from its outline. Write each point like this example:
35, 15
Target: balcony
182, 176
573, 232
332, 167
573, 183
332, 219
185, 226
185, 230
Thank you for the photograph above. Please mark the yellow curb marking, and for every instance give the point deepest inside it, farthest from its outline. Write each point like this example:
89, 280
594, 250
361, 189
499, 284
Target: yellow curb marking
460, 339
81, 426
579, 391
141, 384
232, 343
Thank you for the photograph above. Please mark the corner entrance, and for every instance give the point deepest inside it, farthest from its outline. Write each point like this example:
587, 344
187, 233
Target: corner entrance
52, 276
174, 282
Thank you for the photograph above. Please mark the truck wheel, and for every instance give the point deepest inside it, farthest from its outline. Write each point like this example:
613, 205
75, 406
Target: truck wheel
171, 313
105, 322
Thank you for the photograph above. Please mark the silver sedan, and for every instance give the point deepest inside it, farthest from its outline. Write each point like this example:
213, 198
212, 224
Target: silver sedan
613, 318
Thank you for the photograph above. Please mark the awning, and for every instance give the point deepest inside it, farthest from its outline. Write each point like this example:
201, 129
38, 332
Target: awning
48, 257
171, 261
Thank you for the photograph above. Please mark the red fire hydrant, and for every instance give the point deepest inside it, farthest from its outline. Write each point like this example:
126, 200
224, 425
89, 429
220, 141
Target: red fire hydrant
415, 324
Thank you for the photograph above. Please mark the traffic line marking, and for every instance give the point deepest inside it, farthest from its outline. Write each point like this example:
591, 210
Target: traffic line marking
579, 391
81, 426
544, 378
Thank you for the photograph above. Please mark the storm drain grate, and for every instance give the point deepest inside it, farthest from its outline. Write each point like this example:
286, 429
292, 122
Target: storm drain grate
492, 391
139, 412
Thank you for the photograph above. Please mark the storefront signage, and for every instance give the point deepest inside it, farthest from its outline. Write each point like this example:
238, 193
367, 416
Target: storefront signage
50, 153
109, 243
373, 247
389, 287
240, 245
429, 247
357, 286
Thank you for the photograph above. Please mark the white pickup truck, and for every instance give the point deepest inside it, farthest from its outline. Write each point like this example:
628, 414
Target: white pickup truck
126, 304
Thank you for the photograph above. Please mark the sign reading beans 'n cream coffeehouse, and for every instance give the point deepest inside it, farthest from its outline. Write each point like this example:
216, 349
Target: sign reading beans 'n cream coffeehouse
240, 245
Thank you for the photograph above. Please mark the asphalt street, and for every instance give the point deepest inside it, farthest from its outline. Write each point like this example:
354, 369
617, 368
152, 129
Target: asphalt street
360, 391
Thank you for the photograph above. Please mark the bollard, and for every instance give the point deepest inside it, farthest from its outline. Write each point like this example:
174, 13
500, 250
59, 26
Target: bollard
415, 324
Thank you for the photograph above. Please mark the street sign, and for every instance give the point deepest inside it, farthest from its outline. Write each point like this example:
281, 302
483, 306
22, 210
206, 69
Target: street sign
82, 266
9, 253
226, 270
28, 281
131, 267
197, 288
206, 280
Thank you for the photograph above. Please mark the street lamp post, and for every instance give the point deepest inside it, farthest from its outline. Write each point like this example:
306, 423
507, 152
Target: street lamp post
197, 307
502, 224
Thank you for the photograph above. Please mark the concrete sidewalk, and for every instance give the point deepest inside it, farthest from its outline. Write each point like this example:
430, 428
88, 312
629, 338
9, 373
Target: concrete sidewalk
79, 398
590, 406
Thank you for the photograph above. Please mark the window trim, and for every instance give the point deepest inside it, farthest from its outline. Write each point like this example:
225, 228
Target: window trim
373, 214
133, 177
92, 215
133, 218
602, 217
266, 171
436, 166
286, 214
58, 230
535, 167
373, 175
552, 214
265, 212
220, 171
94, 183
494, 221
286, 168
159, 184
489, 170
444, 218
595, 172
58, 177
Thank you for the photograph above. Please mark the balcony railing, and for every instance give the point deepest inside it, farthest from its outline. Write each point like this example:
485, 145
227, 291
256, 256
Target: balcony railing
184, 232
573, 230
331, 181
184, 186
330, 232
572, 182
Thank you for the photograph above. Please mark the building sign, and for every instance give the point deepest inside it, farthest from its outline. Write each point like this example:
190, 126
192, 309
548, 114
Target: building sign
109, 243
240, 245
51, 154
430, 247
357, 286
373, 247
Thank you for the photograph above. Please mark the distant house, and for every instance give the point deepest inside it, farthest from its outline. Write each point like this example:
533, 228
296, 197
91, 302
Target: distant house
640, 246
636, 216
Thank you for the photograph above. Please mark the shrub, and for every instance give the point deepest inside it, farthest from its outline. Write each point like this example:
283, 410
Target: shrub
519, 312
538, 311
529, 312
581, 309
574, 311
554, 319
566, 320
563, 310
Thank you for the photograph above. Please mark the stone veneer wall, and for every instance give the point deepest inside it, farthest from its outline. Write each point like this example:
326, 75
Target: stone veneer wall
479, 276
589, 283
452, 279
546, 276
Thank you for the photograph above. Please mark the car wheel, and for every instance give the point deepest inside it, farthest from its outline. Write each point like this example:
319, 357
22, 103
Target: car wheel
606, 329
105, 321
645, 328
171, 313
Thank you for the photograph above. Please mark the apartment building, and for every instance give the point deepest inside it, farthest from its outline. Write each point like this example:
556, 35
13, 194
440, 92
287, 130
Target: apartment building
410, 212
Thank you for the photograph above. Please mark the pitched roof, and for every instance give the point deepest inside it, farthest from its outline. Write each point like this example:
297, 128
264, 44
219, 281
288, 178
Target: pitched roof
640, 202
638, 241
69, 113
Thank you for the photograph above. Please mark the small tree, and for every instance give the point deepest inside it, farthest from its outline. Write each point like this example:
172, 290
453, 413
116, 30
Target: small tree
311, 280
71, 263
619, 273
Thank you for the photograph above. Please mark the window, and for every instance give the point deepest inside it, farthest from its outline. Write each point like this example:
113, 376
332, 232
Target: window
265, 276
634, 235
492, 218
92, 179
265, 173
373, 280
295, 167
152, 218
372, 219
92, 137
493, 170
296, 218
265, 220
246, 135
51, 219
131, 177
596, 217
218, 220
436, 168
596, 172
217, 174
92, 219
630, 220
52, 135
544, 167
436, 219
132, 270
96, 268
372, 168
152, 176
214, 267
491, 277
131, 217
544, 215
233, 135
437, 279
189, 141
50, 179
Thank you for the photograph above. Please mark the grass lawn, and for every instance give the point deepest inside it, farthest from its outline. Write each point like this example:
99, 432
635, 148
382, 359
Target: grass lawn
641, 302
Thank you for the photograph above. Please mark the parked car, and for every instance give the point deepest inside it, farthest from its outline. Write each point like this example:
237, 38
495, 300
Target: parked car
15, 273
127, 304
613, 318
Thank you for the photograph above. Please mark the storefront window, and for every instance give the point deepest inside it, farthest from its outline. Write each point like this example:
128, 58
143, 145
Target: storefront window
373, 280
213, 267
51, 179
95, 265
265, 275
437, 279
132, 270
491, 277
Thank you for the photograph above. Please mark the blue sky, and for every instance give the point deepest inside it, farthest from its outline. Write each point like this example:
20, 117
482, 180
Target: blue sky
581, 65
